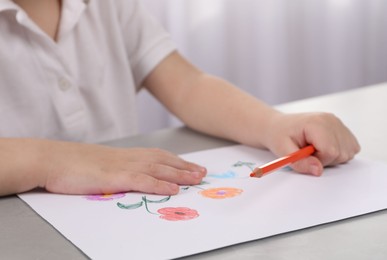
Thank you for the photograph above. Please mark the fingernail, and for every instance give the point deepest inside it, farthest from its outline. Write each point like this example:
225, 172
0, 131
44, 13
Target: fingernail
197, 175
314, 170
203, 170
174, 187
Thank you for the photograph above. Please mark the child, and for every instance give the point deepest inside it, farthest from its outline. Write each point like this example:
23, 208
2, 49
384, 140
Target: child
69, 72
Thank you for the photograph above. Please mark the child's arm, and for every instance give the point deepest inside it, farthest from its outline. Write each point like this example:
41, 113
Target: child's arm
216, 107
73, 168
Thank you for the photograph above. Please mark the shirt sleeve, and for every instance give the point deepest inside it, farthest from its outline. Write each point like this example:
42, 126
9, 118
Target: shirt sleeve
146, 41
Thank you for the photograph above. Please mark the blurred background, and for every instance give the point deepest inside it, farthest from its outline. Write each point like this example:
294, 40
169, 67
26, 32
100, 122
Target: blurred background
277, 50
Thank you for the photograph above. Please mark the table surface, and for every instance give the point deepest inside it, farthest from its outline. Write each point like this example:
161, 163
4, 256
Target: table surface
25, 235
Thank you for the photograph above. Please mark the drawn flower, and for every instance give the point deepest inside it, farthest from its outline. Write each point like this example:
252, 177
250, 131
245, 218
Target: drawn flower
105, 197
221, 193
177, 214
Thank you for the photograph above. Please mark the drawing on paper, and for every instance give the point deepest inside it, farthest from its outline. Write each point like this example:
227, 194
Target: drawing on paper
144, 202
221, 193
231, 174
250, 165
223, 175
105, 197
216, 193
177, 214
181, 213
167, 213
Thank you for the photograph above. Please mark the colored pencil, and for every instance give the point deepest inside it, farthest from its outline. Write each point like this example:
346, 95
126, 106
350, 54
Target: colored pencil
283, 161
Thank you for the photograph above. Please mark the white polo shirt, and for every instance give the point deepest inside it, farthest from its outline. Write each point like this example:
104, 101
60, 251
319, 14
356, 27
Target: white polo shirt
82, 87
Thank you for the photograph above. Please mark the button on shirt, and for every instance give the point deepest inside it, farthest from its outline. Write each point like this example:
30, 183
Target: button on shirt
81, 87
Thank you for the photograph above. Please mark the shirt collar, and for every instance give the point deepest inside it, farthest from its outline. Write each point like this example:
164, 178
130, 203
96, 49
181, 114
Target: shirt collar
10, 5
71, 13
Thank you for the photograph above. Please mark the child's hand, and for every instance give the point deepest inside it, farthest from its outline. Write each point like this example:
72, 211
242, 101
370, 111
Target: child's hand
333, 141
94, 169
74, 168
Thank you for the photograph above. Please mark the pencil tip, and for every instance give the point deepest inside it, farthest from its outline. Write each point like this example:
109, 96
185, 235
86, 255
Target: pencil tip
257, 173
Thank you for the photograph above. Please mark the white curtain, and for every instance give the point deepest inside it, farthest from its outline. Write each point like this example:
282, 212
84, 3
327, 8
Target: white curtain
277, 50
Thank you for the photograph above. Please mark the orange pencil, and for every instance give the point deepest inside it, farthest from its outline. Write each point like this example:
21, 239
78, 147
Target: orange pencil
282, 162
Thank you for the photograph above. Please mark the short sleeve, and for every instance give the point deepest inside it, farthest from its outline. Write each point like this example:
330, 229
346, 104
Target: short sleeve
146, 41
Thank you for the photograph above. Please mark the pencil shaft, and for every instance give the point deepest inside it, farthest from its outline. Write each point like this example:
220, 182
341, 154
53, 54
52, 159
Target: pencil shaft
283, 161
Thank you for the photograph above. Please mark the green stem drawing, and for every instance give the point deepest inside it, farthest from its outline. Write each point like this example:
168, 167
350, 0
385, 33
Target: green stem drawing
146, 205
144, 201
196, 186
250, 165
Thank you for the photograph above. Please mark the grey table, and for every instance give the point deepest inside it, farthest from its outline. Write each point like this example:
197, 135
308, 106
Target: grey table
25, 235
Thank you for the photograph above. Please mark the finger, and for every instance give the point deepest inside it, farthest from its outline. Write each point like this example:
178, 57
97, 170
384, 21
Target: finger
310, 165
148, 184
334, 153
336, 144
328, 154
349, 147
155, 155
168, 173
133, 181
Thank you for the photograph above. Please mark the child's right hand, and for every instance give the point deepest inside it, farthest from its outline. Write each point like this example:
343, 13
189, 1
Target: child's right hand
74, 168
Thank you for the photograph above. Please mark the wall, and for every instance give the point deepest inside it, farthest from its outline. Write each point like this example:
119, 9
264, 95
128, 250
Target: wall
277, 50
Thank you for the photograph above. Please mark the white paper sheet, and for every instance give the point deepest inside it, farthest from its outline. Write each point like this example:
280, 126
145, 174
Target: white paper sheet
228, 208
